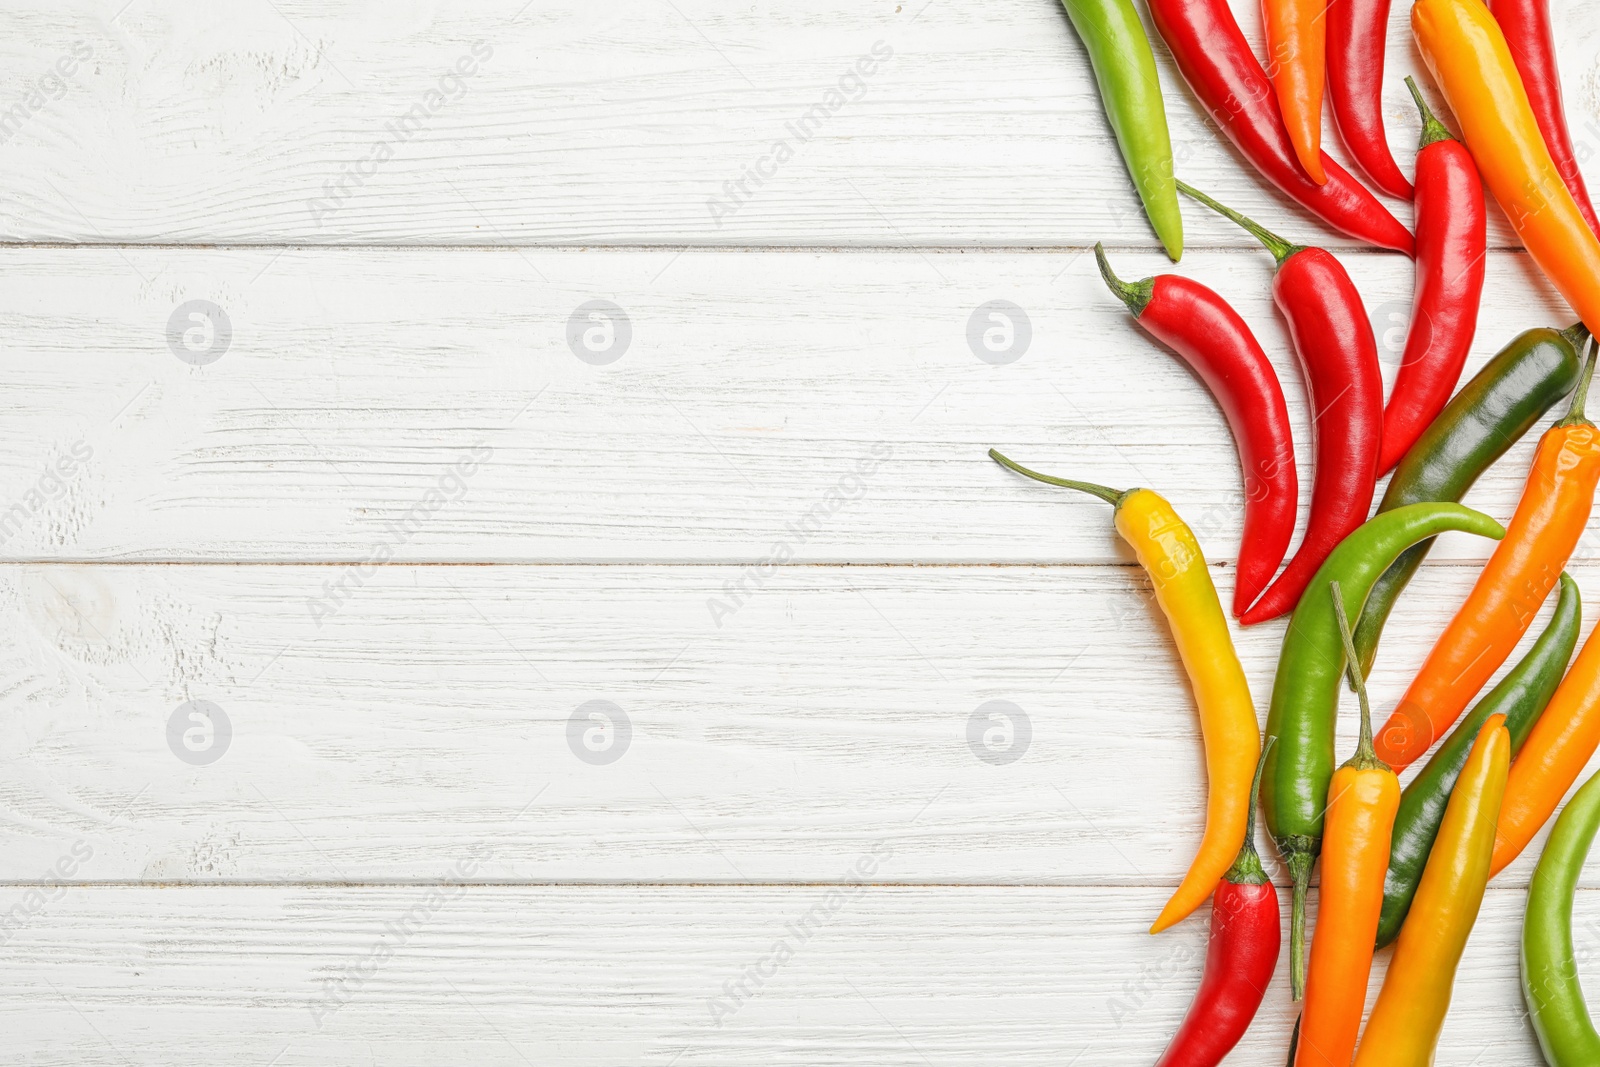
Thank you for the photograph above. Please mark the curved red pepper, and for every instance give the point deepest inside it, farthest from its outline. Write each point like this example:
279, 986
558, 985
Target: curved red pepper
1245, 938
1451, 237
1357, 33
1526, 24
1224, 74
1246, 934
1216, 343
1339, 356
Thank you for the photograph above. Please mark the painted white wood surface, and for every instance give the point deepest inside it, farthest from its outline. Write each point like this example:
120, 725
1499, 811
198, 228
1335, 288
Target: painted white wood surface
593, 976
613, 122
371, 735
754, 384
425, 722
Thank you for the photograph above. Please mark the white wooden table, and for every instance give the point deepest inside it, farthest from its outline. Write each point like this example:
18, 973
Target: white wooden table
402, 535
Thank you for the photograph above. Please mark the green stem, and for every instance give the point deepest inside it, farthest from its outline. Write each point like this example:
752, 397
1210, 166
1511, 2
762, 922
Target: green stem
1575, 416
1247, 869
1576, 335
1300, 868
1280, 249
1113, 497
1135, 294
1433, 131
1365, 758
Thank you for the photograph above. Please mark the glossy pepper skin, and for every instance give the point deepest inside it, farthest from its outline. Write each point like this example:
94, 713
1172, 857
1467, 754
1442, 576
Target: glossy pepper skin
1526, 25
1362, 801
1209, 336
1357, 33
1451, 243
1409, 1015
1297, 64
1553, 757
1521, 697
1550, 518
1305, 691
1464, 48
1550, 984
1130, 92
1223, 73
1338, 353
1246, 935
1489, 415
1168, 551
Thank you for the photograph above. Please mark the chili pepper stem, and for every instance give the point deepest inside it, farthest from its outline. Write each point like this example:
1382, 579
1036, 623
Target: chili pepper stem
1135, 294
1113, 497
1280, 249
1300, 863
1575, 415
1576, 335
1433, 131
1364, 759
1247, 869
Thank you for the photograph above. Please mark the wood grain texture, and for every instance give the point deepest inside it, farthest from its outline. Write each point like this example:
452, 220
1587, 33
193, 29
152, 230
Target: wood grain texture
649, 976
753, 389
611, 123
404, 537
375, 730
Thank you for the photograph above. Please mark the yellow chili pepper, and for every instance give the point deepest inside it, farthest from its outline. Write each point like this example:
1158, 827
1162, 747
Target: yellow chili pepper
1405, 1024
1465, 49
1168, 550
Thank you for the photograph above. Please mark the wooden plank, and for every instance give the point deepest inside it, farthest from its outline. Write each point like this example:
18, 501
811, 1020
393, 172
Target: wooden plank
833, 403
652, 975
370, 733
976, 124
380, 733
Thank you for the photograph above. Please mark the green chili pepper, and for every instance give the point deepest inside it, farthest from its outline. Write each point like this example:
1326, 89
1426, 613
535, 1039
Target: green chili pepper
1305, 693
1549, 965
1130, 92
1488, 415
1521, 697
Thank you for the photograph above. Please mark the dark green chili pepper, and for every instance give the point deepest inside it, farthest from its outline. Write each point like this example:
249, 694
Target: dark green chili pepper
1521, 697
1488, 415
1305, 693
1130, 92
1549, 965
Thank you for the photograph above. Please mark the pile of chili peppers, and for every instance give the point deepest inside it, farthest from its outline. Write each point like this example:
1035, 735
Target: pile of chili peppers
1402, 864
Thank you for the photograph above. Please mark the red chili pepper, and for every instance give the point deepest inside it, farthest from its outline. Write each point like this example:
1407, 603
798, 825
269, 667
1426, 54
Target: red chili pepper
1526, 24
1224, 74
1451, 236
1246, 934
1339, 356
1216, 343
1357, 33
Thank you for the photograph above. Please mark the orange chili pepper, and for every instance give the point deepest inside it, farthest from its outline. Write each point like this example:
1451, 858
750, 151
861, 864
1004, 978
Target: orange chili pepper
1555, 753
1465, 49
1362, 801
1525, 566
1297, 37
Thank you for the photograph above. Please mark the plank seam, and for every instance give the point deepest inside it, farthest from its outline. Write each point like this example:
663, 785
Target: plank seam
1215, 565
861, 249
